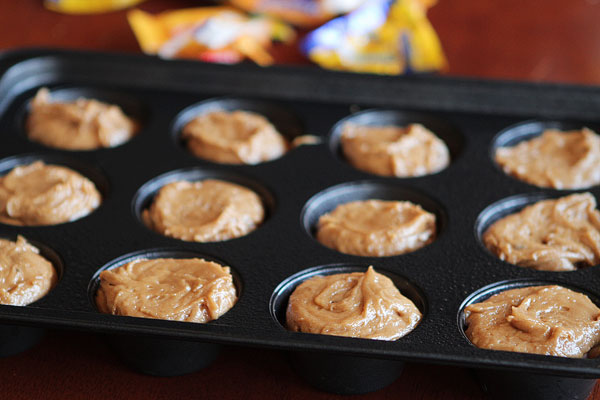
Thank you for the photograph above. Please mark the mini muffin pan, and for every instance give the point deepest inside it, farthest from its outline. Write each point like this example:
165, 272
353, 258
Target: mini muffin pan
471, 116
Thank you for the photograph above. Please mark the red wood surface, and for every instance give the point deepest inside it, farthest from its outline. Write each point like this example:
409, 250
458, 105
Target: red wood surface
540, 40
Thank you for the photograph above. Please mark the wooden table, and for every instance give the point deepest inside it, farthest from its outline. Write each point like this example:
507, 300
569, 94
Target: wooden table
539, 40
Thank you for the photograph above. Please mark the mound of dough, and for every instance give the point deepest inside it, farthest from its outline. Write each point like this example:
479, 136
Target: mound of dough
237, 137
550, 320
393, 150
376, 228
84, 124
552, 235
207, 211
191, 290
556, 159
25, 276
40, 194
365, 305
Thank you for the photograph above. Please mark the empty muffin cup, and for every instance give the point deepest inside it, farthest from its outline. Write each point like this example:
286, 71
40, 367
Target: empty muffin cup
343, 373
165, 356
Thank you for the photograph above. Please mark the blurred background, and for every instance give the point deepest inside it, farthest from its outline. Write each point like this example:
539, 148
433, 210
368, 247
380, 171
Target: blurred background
539, 40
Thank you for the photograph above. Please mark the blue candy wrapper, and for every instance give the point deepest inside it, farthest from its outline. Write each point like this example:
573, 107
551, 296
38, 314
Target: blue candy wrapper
382, 36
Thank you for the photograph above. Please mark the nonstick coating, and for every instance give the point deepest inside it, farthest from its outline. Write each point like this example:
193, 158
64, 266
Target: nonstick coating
295, 189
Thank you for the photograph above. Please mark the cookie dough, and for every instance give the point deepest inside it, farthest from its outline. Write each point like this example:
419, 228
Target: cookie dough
554, 235
40, 194
84, 124
549, 320
206, 211
365, 305
393, 150
190, 290
237, 137
556, 159
25, 276
376, 228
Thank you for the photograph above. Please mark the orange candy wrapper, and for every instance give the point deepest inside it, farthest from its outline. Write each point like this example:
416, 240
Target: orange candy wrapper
213, 34
88, 6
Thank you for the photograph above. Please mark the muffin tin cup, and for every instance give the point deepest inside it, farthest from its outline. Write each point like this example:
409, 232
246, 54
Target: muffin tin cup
146, 194
528, 130
131, 107
156, 355
296, 189
285, 122
94, 174
382, 117
340, 374
502, 385
163, 357
327, 200
15, 339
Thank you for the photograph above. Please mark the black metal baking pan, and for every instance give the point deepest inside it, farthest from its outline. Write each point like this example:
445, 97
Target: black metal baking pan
472, 116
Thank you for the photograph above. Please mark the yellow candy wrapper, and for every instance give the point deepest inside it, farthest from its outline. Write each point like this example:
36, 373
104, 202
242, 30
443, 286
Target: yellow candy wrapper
88, 6
382, 37
305, 13
212, 34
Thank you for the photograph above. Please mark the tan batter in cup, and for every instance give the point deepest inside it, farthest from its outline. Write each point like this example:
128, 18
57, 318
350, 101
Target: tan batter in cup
189, 290
25, 276
364, 305
206, 211
237, 137
549, 320
40, 194
552, 235
376, 228
84, 124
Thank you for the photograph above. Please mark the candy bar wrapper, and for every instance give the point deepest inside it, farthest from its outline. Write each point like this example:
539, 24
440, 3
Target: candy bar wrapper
305, 13
212, 34
381, 36
88, 6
